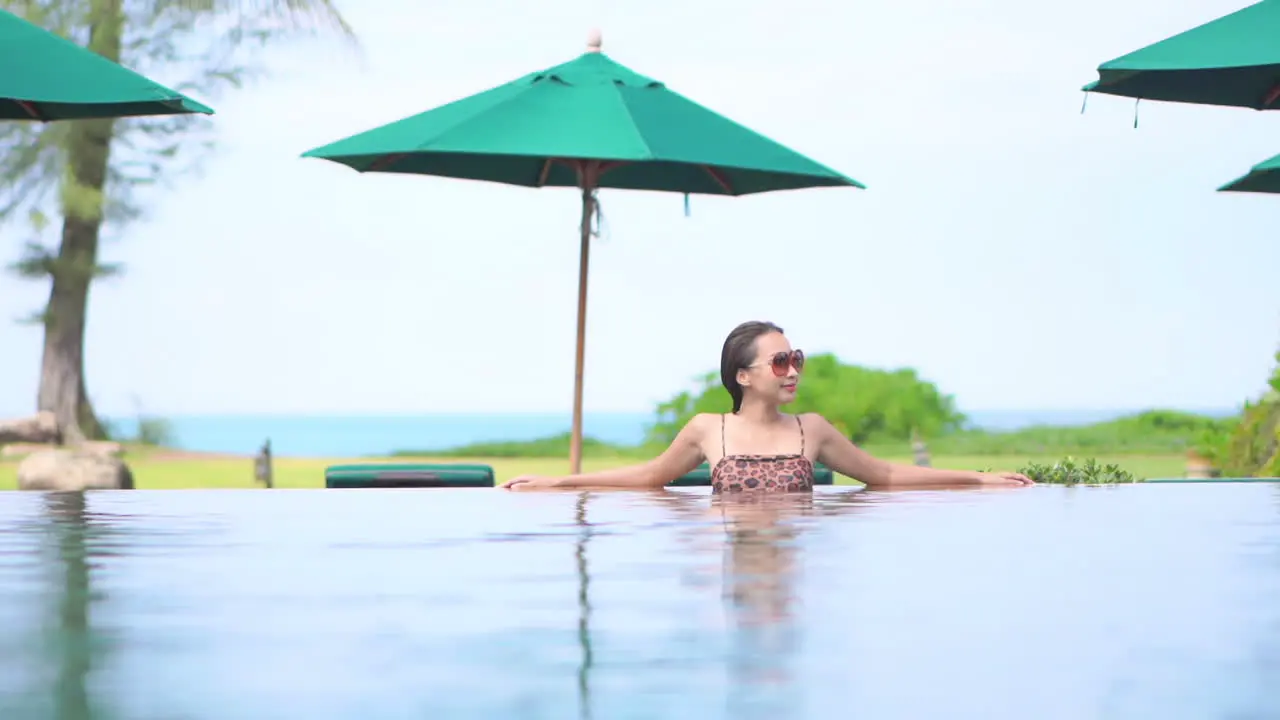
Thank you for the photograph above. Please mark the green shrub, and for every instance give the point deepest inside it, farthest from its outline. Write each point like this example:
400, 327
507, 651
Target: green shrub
1250, 446
1068, 472
155, 431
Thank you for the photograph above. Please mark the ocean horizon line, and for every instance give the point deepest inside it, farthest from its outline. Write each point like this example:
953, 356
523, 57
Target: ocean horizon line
395, 414
362, 435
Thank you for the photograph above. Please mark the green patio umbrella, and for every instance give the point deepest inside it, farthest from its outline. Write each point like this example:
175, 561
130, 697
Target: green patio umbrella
1232, 61
589, 123
1261, 178
44, 77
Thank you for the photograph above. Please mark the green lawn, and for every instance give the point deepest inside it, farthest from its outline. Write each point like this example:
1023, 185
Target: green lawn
155, 472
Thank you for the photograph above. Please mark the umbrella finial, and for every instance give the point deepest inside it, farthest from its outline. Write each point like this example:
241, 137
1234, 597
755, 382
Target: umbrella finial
594, 40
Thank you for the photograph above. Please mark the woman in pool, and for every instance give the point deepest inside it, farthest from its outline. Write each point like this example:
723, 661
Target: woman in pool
758, 447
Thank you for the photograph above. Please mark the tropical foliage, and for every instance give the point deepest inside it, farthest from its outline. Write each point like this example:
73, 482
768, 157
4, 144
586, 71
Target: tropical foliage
866, 404
1250, 445
68, 186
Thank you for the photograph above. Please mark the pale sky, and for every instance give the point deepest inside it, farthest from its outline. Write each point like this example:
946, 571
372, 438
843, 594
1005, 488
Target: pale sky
1016, 252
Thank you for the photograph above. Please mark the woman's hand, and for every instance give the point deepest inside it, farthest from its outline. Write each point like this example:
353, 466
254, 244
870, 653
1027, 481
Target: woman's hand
530, 482
1004, 478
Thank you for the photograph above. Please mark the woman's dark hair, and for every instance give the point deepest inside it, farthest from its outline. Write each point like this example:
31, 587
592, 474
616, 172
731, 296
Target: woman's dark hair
739, 352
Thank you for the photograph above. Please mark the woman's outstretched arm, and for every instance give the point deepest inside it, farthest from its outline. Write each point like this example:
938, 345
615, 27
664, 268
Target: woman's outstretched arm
684, 454
840, 454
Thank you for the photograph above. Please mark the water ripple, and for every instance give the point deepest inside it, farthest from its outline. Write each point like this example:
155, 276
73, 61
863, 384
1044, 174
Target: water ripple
1144, 601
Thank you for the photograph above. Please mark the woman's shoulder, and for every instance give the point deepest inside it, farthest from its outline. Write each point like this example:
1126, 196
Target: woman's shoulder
703, 421
812, 421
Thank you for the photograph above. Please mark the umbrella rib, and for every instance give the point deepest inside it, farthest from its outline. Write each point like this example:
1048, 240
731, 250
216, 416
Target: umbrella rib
607, 165
384, 161
1270, 97
575, 165
720, 179
30, 109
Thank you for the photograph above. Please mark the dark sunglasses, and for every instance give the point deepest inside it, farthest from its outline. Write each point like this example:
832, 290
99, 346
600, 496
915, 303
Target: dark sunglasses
783, 361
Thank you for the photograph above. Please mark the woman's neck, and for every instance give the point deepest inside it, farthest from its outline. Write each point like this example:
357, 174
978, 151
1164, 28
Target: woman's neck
760, 412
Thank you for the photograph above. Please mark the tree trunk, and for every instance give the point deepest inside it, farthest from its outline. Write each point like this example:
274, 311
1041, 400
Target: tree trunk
62, 367
62, 386
90, 423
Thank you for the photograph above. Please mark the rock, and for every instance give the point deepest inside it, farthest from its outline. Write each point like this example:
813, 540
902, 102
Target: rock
23, 449
72, 470
42, 428
97, 447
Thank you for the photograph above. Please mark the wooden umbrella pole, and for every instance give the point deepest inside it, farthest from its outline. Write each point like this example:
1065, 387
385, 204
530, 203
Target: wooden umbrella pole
587, 177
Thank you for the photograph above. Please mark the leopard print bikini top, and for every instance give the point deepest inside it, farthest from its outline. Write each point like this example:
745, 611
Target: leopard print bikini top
768, 473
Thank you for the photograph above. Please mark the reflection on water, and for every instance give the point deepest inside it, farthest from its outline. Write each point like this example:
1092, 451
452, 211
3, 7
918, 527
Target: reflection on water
584, 608
73, 644
759, 584
1142, 601
57, 658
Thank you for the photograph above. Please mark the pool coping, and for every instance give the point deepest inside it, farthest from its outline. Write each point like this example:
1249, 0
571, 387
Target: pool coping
1213, 480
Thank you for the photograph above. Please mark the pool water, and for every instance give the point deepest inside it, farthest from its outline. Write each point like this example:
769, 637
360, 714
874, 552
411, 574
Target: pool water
1159, 601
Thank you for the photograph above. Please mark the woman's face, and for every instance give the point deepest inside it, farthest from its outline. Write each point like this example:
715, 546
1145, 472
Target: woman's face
775, 371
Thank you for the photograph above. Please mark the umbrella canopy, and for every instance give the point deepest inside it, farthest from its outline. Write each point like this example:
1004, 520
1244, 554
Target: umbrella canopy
532, 131
1232, 61
1262, 178
44, 77
588, 123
